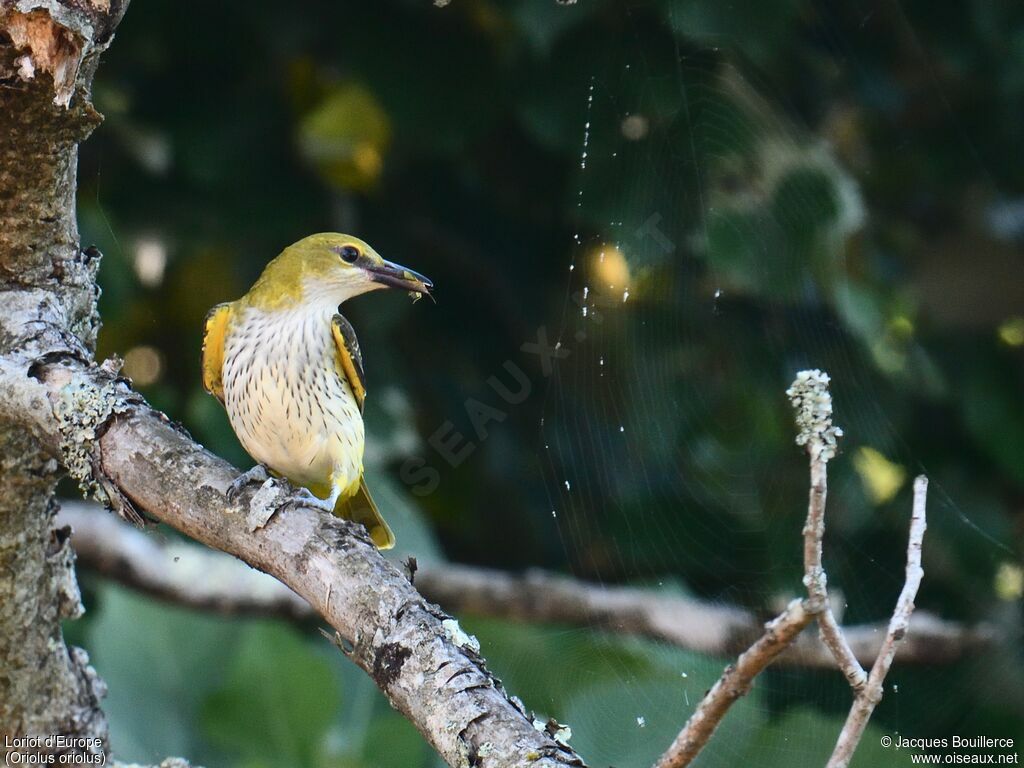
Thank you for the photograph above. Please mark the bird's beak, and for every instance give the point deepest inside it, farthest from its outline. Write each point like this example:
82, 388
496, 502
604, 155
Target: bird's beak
397, 276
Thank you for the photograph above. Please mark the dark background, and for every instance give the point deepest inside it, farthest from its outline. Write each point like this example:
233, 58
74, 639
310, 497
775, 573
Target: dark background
697, 199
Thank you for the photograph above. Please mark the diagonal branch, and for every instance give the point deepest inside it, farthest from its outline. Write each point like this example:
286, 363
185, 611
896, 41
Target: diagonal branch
735, 683
120, 448
814, 572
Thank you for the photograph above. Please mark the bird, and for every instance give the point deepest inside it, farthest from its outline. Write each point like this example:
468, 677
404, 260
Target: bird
287, 367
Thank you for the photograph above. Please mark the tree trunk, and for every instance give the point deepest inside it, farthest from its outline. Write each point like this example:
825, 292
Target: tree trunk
48, 53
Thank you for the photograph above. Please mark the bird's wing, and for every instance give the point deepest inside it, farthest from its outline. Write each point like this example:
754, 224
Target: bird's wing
360, 507
214, 330
350, 358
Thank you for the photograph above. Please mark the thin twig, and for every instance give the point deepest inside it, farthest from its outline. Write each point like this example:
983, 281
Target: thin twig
835, 640
814, 573
734, 683
867, 699
812, 402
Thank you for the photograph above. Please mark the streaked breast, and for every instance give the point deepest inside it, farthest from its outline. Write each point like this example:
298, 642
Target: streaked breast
285, 400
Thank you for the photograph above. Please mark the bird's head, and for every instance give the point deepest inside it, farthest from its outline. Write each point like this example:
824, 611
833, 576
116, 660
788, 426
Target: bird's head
330, 268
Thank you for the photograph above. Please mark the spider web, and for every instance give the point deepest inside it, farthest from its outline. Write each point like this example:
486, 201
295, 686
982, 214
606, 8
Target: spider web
695, 290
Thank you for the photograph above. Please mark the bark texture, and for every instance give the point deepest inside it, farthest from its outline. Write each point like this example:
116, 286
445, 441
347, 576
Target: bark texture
48, 52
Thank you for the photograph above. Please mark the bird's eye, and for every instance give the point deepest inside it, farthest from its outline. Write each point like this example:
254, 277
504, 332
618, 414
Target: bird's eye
349, 254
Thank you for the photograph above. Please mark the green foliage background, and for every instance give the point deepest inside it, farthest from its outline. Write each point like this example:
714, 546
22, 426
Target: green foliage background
840, 187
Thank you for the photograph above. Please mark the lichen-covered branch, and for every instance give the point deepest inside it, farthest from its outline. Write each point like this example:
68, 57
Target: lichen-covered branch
170, 569
812, 401
48, 52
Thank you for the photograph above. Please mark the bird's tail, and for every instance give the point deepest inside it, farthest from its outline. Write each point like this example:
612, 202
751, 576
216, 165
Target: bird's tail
360, 509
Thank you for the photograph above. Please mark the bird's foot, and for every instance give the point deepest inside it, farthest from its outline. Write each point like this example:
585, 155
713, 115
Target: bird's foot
257, 474
307, 498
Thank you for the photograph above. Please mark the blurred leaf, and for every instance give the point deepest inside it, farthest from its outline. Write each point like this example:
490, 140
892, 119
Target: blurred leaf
804, 201
547, 666
159, 663
543, 22
345, 137
807, 738
413, 535
391, 741
882, 478
277, 700
746, 250
629, 719
761, 28
994, 413
860, 307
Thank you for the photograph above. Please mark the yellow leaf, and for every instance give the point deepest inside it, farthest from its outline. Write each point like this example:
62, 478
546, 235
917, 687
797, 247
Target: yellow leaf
1011, 333
345, 137
882, 478
1009, 581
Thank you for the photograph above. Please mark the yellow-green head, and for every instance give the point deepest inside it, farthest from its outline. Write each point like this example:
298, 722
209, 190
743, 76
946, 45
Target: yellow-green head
328, 267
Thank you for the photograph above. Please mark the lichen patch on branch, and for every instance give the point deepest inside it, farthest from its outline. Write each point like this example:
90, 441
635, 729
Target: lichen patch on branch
812, 402
460, 637
83, 409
